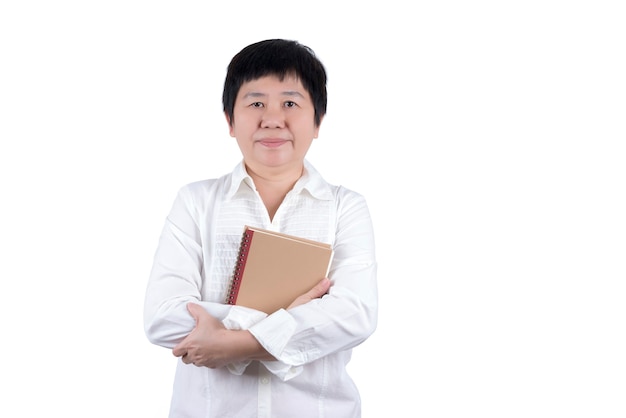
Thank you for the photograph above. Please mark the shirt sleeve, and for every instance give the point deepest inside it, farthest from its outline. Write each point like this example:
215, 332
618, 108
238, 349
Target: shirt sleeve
343, 318
176, 277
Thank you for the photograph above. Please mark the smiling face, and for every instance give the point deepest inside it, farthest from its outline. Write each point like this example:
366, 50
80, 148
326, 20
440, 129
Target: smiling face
274, 124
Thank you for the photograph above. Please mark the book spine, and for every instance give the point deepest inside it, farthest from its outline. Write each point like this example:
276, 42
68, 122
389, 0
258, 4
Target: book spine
240, 264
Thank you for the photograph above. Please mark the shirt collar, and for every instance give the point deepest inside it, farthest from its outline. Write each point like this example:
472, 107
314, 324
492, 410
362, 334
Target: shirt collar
311, 181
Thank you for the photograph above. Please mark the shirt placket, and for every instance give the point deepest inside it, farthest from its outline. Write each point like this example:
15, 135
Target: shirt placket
264, 393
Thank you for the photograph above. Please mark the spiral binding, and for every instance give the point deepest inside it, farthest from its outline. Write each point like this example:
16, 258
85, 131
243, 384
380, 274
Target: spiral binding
235, 281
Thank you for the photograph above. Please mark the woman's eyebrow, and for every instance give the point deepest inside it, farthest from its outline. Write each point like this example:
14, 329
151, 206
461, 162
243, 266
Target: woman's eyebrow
290, 93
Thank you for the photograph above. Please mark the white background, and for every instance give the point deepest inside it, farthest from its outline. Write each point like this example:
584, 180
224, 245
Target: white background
488, 138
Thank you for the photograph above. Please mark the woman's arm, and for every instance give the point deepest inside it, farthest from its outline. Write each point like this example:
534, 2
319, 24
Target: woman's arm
210, 344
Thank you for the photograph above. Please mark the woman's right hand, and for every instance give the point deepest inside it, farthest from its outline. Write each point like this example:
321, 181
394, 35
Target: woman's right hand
317, 291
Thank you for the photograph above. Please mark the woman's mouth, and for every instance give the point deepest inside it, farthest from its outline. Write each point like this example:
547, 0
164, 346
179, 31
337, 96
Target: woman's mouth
272, 143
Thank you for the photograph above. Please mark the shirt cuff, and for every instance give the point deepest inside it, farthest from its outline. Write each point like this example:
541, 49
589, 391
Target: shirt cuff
281, 370
273, 333
241, 318
238, 368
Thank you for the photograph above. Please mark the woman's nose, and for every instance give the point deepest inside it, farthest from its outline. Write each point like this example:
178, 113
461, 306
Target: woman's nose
273, 117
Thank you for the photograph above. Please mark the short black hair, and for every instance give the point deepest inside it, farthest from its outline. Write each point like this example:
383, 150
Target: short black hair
278, 57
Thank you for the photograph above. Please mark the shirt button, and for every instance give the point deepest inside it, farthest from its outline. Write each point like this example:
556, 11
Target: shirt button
265, 380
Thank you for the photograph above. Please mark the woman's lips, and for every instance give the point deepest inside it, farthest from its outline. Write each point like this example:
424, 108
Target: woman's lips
272, 143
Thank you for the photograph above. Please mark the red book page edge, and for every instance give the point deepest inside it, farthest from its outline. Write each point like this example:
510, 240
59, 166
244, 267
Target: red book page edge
241, 265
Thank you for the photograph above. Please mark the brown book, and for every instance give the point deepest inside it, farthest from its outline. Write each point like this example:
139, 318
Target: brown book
273, 269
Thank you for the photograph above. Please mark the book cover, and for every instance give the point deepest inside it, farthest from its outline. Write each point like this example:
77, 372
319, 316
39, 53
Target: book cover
273, 268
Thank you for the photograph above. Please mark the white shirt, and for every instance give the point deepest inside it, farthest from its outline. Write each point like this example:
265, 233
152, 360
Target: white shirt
312, 342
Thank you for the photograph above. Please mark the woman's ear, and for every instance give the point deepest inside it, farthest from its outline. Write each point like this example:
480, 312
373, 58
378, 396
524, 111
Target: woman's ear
230, 125
317, 128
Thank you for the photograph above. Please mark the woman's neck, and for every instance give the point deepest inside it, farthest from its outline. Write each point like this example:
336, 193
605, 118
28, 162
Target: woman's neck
273, 187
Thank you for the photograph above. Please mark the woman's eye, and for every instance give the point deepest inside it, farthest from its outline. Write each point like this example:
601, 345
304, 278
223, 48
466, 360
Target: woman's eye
290, 104
257, 104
